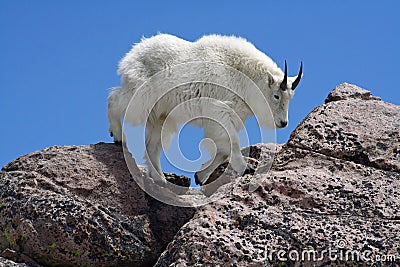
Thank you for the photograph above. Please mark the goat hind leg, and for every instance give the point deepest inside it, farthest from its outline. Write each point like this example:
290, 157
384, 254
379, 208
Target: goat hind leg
153, 153
116, 109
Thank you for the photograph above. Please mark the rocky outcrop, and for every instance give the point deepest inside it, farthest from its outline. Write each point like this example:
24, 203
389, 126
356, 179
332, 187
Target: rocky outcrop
346, 91
363, 130
330, 198
79, 206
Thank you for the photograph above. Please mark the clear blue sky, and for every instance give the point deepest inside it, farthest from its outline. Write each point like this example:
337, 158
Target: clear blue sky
59, 58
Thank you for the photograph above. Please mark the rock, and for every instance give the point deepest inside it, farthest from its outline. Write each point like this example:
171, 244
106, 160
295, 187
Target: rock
79, 206
365, 132
312, 202
8, 263
347, 91
13, 255
331, 198
333, 188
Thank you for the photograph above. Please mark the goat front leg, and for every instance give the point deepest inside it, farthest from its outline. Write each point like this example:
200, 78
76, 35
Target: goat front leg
202, 175
226, 145
237, 161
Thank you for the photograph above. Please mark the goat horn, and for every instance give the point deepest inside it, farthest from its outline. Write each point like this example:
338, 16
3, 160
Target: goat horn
283, 85
296, 82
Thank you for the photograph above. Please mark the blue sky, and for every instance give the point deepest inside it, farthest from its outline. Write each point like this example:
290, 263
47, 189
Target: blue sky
58, 59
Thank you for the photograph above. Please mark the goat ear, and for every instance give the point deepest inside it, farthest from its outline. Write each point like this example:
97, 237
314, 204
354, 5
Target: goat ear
271, 79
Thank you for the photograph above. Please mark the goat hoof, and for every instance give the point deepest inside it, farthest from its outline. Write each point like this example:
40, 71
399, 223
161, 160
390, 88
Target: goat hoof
118, 143
196, 179
249, 170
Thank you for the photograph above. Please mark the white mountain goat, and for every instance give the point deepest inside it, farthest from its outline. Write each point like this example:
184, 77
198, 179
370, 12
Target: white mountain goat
163, 51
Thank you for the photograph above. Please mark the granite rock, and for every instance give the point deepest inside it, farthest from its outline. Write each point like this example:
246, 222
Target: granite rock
347, 91
330, 198
79, 206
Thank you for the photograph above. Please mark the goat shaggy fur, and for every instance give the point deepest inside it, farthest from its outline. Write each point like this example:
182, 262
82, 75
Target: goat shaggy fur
162, 52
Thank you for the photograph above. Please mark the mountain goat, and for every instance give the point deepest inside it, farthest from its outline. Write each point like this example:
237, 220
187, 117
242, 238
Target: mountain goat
160, 52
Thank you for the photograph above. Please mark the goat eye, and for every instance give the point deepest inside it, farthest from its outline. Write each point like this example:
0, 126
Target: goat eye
276, 97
